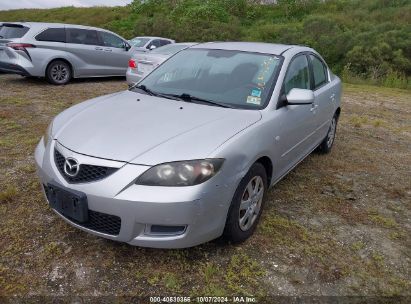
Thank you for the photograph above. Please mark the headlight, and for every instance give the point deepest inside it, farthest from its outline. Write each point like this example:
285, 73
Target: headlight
47, 136
183, 173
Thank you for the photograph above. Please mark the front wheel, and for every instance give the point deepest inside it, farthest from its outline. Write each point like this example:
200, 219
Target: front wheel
58, 72
246, 206
327, 143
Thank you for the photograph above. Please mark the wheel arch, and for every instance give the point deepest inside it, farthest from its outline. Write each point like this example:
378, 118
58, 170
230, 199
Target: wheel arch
266, 162
337, 112
62, 59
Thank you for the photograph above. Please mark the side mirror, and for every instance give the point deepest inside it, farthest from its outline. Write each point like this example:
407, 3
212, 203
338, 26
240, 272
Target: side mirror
127, 46
153, 47
300, 97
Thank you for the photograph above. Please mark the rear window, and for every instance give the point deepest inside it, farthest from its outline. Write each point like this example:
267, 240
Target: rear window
169, 49
53, 35
12, 31
80, 36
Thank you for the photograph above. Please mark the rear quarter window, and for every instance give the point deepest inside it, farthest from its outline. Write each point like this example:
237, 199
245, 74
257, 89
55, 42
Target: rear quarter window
52, 35
8, 31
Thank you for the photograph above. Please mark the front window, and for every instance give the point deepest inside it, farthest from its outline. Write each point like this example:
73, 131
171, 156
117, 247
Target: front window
232, 78
139, 42
110, 40
298, 75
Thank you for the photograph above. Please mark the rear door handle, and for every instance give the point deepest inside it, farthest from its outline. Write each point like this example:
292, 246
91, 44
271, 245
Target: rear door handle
98, 48
332, 97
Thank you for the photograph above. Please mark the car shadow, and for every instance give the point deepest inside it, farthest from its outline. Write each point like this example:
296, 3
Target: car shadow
42, 81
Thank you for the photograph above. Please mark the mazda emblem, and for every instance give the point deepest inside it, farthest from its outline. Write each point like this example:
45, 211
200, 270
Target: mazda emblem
71, 166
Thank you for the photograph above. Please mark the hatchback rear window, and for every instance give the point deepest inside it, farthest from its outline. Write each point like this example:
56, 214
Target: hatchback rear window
8, 31
53, 35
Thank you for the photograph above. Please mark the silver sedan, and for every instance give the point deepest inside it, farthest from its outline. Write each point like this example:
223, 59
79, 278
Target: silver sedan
189, 153
142, 64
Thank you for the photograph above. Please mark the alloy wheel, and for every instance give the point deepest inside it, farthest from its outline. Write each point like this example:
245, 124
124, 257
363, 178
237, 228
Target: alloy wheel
251, 201
60, 73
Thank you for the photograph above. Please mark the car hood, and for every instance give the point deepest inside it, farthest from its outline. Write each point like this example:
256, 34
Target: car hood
143, 129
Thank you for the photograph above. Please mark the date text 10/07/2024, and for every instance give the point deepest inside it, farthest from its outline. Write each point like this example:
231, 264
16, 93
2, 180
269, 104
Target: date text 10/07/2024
173, 299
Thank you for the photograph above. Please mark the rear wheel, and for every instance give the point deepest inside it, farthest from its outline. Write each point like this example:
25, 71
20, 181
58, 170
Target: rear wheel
327, 143
246, 206
58, 72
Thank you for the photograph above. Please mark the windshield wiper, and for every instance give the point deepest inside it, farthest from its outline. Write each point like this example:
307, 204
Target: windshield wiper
152, 93
145, 89
190, 98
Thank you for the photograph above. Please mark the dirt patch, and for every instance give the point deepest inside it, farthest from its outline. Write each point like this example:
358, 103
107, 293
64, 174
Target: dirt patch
336, 225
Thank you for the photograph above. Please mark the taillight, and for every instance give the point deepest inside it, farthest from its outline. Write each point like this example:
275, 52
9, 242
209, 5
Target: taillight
20, 46
132, 64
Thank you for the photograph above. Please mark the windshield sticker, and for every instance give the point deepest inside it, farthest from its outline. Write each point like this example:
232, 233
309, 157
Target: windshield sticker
254, 100
256, 92
267, 68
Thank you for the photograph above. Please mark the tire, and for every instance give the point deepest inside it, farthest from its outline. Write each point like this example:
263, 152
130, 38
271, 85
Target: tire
327, 143
238, 228
58, 72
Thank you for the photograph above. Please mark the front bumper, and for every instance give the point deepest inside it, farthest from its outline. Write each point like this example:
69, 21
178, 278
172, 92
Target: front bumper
200, 211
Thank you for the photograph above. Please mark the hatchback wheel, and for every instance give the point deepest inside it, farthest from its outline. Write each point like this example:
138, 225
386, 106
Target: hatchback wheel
327, 143
246, 206
58, 72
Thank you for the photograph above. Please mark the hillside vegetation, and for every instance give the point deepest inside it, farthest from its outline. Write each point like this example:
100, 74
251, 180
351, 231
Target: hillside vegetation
362, 40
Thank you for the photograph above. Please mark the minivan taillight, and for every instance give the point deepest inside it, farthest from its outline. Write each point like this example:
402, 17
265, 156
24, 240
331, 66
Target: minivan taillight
20, 46
132, 64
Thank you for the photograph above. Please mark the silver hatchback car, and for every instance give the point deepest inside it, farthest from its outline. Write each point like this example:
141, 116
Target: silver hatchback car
189, 153
60, 52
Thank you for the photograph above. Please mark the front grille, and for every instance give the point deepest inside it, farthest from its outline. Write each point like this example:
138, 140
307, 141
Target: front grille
87, 173
101, 222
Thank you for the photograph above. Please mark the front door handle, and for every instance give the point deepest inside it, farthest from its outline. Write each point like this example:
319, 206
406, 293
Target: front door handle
332, 97
98, 48
107, 50
313, 108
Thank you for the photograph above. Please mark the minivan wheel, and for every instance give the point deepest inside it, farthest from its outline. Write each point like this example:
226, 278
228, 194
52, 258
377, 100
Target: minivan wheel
327, 143
246, 206
58, 72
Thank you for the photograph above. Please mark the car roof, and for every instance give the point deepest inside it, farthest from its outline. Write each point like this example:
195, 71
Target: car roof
255, 47
184, 43
49, 24
151, 37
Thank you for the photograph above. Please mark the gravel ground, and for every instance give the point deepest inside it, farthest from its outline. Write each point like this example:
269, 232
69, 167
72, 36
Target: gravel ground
337, 225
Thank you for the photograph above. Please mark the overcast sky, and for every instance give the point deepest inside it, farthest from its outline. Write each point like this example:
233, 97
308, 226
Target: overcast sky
15, 4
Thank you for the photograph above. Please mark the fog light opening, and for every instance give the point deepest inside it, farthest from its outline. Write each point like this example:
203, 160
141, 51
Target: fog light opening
161, 230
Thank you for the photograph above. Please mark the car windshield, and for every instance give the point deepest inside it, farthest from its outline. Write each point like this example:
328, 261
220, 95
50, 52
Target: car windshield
8, 31
139, 42
232, 78
169, 49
